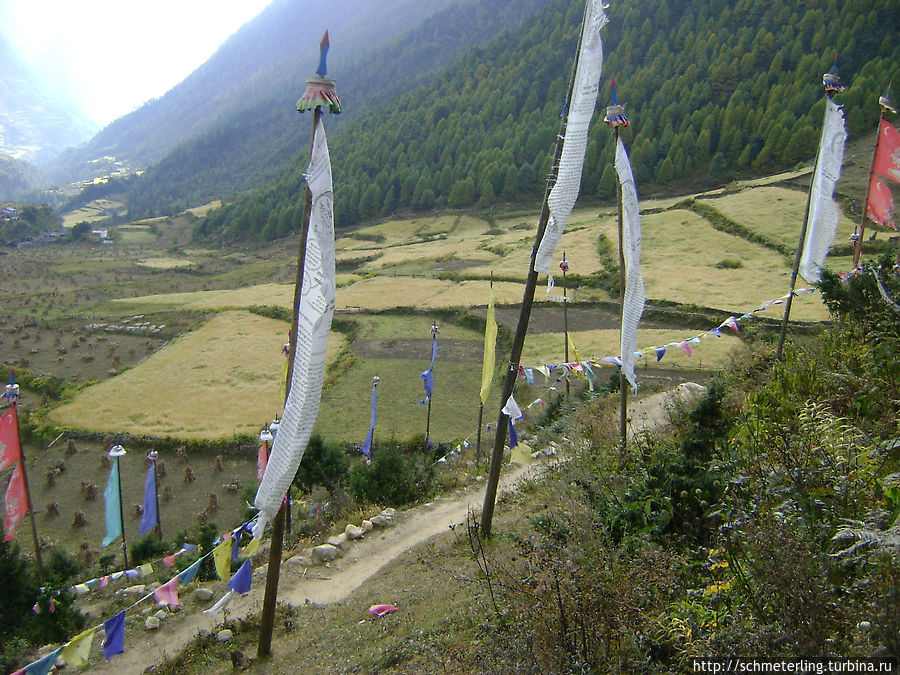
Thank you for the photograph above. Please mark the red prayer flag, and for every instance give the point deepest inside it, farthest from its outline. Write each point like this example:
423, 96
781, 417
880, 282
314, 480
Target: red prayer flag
881, 203
261, 460
887, 154
10, 452
16, 502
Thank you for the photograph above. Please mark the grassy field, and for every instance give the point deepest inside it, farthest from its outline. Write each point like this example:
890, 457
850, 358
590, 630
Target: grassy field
219, 380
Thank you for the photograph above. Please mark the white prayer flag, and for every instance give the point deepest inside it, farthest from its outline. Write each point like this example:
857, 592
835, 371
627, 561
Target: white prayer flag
823, 212
313, 326
634, 298
581, 109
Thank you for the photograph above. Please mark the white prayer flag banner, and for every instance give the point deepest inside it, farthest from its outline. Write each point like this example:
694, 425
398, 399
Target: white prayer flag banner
823, 212
316, 310
581, 109
633, 302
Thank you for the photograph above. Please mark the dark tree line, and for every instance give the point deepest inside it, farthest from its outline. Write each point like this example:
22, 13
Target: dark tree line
715, 90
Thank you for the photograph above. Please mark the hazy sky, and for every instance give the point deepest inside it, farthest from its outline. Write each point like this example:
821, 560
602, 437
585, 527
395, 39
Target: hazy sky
111, 56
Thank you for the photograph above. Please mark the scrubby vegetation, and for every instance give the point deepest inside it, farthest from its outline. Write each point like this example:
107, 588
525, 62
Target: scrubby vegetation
766, 523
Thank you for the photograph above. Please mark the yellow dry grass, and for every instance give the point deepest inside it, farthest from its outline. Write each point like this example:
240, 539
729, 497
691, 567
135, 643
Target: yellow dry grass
679, 255
775, 212
221, 379
386, 292
711, 353
92, 212
164, 263
263, 294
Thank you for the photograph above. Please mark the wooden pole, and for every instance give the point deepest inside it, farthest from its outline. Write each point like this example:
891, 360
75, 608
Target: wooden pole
490, 493
122, 512
434, 332
564, 265
623, 382
267, 620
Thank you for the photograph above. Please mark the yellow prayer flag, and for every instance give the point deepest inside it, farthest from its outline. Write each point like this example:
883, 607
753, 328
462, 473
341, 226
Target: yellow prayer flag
146, 569
79, 648
490, 349
222, 558
252, 547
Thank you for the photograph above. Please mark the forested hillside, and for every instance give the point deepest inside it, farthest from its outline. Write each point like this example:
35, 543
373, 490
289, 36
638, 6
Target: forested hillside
714, 90
252, 145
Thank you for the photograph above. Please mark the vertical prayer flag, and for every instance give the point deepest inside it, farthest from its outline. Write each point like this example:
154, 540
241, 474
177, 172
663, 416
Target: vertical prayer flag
10, 451
150, 517
821, 225
635, 296
114, 642
114, 527
367, 444
262, 457
581, 108
16, 502
323, 55
880, 203
490, 348
428, 375
887, 156
314, 314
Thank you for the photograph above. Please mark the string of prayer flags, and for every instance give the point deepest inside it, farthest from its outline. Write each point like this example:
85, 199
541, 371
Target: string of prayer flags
42, 666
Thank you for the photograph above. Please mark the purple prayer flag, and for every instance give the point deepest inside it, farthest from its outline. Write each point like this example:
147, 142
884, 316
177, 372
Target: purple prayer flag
240, 582
513, 436
428, 375
367, 444
115, 636
150, 517
660, 352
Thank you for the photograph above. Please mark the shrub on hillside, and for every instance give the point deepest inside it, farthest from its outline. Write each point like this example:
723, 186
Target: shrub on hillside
399, 474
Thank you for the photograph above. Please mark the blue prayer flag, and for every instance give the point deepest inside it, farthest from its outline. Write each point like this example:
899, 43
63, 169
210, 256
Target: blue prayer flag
115, 636
240, 582
150, 517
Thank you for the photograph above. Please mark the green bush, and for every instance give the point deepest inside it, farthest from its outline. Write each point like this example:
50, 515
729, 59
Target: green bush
325, 464
398, 474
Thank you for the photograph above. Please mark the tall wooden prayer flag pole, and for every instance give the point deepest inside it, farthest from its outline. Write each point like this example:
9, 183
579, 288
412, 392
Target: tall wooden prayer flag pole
831, 151
615, 118
564, 267
320, 91
428, 377
11, 395
594, 19
487, 365
885, 103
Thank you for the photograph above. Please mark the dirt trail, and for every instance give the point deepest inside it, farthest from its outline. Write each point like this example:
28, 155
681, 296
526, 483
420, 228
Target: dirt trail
362, 559
320, 585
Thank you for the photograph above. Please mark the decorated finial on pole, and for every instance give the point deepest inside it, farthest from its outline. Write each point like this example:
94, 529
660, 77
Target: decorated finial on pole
320, 90
885, 101
11, 390
831, 81
434, 328
615, 113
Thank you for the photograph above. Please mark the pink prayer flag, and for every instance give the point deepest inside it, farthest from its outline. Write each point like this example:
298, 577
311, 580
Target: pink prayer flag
169, 561
104, 581
168, 592
381, 610
16, 502
9, 439
686, 347
262, 459
731, 323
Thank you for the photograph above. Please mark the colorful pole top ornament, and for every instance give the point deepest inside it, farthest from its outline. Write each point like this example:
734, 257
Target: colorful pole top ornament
885, 101
117, 451
832, 82
434, 328
615, 113
11, 391
320, 90
564, 266
376, 381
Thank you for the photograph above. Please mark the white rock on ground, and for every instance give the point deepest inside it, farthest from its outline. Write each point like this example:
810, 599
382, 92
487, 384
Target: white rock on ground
202, 595
224, 635
353, 532
324, 553
338, 540
367, 525
152, 623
